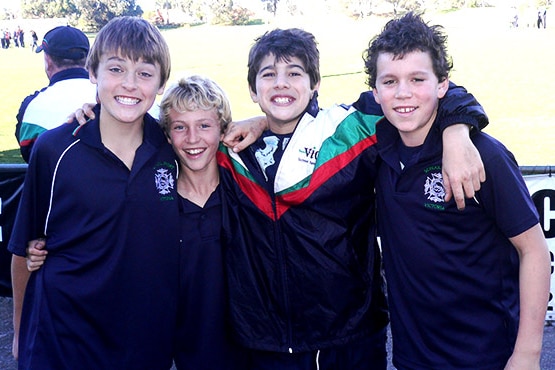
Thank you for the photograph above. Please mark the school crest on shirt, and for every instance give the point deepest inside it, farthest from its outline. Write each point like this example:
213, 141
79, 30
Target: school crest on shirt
434, 191
164, 180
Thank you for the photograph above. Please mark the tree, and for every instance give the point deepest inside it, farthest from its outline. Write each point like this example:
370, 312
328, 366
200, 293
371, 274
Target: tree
96, 13
49, 9
89, 15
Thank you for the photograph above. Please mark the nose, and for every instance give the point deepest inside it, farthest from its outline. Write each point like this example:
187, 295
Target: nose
192, 136
403, 90
281, 81
129, 80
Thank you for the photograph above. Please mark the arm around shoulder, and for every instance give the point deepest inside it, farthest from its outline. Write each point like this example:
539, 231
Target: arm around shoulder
460, 106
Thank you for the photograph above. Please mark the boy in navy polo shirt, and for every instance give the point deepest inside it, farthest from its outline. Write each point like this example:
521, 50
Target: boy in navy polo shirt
467, 289
107, 298
194, 113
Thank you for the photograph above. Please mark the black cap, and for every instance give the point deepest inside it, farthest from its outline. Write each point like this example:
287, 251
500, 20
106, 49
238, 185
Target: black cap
65, 42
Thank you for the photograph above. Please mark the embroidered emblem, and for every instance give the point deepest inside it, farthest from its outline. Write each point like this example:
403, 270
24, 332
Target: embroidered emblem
433, 188
164, 181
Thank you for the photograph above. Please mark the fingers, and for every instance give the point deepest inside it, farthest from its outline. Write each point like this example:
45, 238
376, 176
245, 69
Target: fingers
239, 147
83, 114
462, 167
36, 247
241, 134
36, 254
81, 117
464, 186
239, 140
34, 265
232, 136
454, 190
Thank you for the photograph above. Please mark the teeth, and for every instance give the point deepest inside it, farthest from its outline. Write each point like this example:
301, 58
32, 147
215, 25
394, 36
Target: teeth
405, 110
282, 100
127, 101
194, 151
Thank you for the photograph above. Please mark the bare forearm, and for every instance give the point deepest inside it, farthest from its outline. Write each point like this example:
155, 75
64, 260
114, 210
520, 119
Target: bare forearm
20, 277
534, 293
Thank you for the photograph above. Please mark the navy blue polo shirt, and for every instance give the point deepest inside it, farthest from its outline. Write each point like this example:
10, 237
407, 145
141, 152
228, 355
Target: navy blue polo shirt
453, 279
203, 337
106, 297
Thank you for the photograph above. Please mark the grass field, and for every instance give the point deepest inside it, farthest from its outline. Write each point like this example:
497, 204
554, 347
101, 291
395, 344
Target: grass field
510, 71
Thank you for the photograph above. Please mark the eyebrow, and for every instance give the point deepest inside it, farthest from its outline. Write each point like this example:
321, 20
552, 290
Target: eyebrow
119, 58
289, 66
411, 74
116, 57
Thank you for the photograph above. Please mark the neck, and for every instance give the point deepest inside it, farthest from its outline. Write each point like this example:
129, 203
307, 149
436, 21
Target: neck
197, 186
282, 128
121, 139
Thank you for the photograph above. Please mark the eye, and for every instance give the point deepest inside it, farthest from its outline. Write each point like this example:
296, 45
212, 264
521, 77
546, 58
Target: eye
388, 82
268, 74
145, 74
115, 69
178, 127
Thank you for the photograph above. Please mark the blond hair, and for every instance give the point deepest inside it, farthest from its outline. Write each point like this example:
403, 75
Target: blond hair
194, 93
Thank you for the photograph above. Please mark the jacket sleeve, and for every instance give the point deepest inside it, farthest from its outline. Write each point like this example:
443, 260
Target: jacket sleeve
25, 149
367, 104
457, 106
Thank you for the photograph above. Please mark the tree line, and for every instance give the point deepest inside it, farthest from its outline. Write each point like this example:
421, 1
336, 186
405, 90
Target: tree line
91, 15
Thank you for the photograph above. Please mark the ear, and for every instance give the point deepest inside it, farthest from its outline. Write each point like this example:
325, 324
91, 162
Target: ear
92, 77
442, 88
254, 96
316, 87
376, 95
161, 89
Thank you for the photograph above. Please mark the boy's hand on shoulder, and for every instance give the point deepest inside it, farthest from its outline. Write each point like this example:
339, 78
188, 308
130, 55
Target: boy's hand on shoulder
463, 170
83, 114
241, 134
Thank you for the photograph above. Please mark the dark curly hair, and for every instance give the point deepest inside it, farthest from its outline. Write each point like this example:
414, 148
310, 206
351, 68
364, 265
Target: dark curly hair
405, 35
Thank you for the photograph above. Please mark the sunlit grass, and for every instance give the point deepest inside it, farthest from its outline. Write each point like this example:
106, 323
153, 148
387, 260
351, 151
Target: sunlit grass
511, 72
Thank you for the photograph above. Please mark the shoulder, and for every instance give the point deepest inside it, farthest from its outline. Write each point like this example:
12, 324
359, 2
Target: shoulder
52, 143
490, 148
57, 136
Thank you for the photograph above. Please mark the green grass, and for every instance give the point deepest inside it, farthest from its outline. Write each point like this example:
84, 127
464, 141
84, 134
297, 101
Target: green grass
511, 72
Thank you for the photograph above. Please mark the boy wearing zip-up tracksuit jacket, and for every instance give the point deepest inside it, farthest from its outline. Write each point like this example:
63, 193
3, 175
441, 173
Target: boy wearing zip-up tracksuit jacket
304, 270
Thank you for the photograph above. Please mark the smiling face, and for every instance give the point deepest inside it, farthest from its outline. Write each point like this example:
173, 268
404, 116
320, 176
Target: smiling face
126, 89
195, 137
409, 91
283, 92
